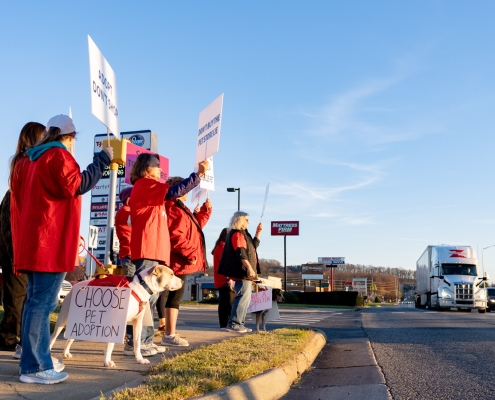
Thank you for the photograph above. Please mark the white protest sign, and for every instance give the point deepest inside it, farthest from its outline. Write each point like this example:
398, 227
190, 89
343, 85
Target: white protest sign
98, 313
209, 124
197, 193
260, 301
103, 89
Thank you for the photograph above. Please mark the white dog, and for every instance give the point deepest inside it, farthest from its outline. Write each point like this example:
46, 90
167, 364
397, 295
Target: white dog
156, 279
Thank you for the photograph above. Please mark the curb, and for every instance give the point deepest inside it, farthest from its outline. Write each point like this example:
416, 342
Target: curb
262, 387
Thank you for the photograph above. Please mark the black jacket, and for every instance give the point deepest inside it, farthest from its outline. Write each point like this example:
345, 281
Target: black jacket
231, 261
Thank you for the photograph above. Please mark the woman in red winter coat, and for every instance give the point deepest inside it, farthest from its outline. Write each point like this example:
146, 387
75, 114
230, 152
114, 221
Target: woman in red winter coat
187, 255
226, 292
48, 237
150, 239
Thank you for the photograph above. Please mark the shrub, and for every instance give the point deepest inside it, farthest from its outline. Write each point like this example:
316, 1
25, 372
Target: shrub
291, 298
359, 301
377, 299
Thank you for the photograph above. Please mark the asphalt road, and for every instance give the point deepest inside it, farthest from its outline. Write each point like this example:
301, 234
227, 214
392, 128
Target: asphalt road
422, 354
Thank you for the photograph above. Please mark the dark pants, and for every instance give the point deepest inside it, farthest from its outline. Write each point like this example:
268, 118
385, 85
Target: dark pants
14, 294
226, 298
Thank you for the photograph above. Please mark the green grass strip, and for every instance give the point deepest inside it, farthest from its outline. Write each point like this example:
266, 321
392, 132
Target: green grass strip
221, 364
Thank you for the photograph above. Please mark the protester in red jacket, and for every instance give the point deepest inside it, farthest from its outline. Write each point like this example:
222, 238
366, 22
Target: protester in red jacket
123, 229
150, 240
49, 221
226, 292
187, 255
14, 284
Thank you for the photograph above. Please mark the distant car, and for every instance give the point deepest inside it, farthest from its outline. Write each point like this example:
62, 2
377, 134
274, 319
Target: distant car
64, 290
490, 298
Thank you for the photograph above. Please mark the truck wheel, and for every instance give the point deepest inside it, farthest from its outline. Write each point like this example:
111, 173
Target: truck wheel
459, 309
428, 302
481, 311
488, 310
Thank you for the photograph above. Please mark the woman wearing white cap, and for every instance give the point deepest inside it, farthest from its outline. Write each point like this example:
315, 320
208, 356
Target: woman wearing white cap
50, 216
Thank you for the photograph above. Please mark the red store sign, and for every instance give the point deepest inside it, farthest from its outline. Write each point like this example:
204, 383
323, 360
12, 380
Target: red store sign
283, 228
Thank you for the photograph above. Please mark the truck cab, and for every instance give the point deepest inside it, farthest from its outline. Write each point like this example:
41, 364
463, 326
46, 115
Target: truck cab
447, 277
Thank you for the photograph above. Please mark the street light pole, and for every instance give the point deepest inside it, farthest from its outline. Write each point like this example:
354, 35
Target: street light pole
238, 190
483, 258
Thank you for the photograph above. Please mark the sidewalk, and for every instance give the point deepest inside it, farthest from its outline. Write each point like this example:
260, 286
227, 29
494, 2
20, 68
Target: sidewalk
88, 378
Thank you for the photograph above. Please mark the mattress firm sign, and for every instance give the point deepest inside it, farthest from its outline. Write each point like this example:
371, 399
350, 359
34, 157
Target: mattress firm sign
99, 194
285, 228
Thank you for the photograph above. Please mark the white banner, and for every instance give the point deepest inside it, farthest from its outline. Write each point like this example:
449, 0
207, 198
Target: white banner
103, 89
98, 313
208, 135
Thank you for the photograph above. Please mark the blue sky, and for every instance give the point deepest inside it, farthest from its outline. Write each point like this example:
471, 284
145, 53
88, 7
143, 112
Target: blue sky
373, 121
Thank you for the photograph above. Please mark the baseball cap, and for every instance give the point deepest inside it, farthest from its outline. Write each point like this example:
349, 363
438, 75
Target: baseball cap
63, 122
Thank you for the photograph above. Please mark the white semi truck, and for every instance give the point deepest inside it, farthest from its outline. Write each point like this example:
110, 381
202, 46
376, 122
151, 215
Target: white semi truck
447, 277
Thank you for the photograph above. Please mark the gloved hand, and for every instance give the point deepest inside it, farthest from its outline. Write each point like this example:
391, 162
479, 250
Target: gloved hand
109, 152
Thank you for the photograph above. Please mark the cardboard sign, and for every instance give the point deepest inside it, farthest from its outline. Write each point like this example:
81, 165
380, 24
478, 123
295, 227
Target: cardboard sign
208, 135
260, 301
98, 313
103, 89
132, 153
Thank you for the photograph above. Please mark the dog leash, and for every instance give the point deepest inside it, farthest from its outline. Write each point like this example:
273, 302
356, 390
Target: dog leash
82, 243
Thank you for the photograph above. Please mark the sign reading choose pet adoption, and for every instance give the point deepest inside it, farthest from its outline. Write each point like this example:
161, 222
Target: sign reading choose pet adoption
285, 228
98, 313
103, 89
208, 135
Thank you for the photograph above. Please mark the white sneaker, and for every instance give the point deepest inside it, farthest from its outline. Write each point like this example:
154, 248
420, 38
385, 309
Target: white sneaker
48, 377
158, 349
237, 328
174, 340
18, 352
145, 352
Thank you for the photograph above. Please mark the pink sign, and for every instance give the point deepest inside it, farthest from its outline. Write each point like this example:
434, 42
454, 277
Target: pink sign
261, 300
132, 152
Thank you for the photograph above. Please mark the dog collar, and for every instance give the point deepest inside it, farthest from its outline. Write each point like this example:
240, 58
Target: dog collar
144, 284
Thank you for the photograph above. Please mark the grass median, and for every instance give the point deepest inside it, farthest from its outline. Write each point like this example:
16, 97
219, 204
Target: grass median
217, 365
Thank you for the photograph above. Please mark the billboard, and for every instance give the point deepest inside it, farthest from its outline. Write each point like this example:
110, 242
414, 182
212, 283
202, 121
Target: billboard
312, 271
331, 260
285, 228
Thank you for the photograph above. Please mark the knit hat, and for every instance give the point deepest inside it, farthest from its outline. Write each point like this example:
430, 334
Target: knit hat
125, 194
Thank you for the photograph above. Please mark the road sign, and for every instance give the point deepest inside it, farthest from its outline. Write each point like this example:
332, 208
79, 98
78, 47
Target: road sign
93, 237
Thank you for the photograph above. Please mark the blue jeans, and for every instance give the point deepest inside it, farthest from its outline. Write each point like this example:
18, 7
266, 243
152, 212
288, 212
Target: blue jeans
147, 332
241, 302
41, 300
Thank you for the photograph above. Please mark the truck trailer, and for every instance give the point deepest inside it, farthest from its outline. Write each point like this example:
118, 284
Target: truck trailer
447, 277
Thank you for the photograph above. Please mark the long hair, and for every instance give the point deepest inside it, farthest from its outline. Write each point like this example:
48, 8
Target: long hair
30, 134
140, 167
237, 218
53, 134
221, 238
174, 180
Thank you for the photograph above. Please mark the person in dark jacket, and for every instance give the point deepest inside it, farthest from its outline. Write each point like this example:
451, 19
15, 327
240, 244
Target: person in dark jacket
240, 262
187, 255
14, 283
225, 286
